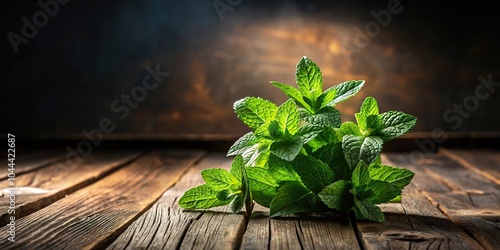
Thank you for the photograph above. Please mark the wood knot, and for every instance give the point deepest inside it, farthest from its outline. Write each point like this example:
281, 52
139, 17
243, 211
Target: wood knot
411, 236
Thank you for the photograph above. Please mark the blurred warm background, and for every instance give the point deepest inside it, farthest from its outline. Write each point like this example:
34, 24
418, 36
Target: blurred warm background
64, 79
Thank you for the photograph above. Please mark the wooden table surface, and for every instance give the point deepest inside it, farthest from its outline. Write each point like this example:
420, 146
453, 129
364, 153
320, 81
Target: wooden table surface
128, 200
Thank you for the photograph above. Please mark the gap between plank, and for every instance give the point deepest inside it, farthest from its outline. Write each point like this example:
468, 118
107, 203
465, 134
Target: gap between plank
354, 225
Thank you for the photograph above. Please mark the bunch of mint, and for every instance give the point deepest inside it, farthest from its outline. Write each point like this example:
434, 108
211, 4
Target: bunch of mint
304, 159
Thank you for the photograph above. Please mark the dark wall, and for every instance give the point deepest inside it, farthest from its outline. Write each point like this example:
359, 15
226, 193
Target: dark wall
426, 61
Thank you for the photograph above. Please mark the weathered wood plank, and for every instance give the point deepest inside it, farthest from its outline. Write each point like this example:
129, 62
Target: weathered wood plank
413, 224
427, 219
257, 234
92, 217
327, 232
298, 232
484, 162
395, 233
30, 161
215, 230
468, 199
40, 188
283, 234
167, 226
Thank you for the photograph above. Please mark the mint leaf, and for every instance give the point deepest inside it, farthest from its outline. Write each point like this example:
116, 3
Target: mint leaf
287, 149
376, 162
338, 164
291, 198
327, 97
369, 106
257, 154
276, 131
308, 132
219, 179
261, 159
200, 197
292, 93
270, 131
337, 195
245, 192
324, 153
329, 135
255, 111
237, 167
305, 159
349, 128
344, 90
236, 204
288, 117
396, 199
328, 116
242, 144
394, 124
262, 185
382, 191
360, 175
225, 195
309, 79
281, 170
368, 211
315, 174
397, 176
358, 148
361, 120
372, 123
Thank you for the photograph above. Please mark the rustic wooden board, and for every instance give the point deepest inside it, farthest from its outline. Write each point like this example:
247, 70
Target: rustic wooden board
40, 188
484, 162
395, 233
257, 234
468, 199
298, 232
215, 230
163, 226
167, 226
428, 219
94, 216
30, 161
413, 224
327, 232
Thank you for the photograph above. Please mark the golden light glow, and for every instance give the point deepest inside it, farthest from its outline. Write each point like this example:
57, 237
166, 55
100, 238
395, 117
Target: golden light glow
242, 59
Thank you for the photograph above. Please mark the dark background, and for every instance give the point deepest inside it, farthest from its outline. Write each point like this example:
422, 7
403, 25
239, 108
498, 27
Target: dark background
65, 78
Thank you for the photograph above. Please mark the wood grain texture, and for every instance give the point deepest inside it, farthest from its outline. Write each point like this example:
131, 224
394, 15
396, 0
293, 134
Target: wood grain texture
413, 224
482, 162
215, 230
30, 161
167, 226
395, 233
298, 232
327, 232
468, 199
429, 220
257, 234
92, 217
42, 187
447, 206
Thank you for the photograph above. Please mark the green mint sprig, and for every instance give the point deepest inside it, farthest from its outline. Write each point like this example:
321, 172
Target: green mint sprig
299, 157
